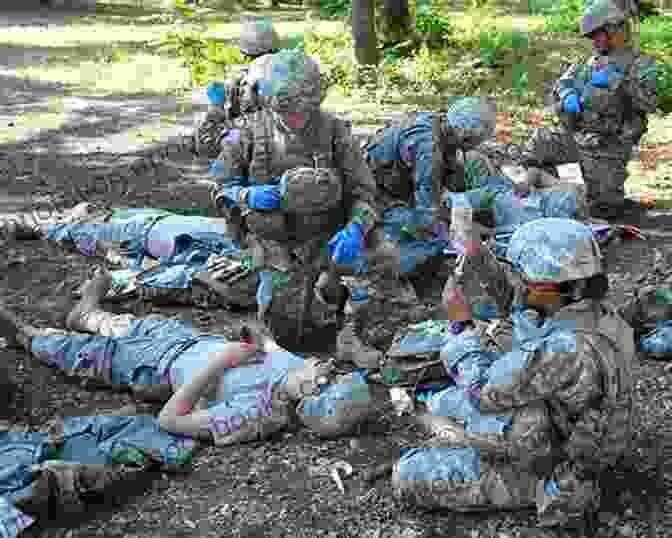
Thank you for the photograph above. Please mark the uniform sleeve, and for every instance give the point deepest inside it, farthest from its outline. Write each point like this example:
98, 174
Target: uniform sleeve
567, 83
360, 186
547, 372
234, 159
641, 85
416, 150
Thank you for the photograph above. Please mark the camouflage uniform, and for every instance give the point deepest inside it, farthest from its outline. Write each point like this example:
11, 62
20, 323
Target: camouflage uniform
415, 163
613, 119
258, 39
572, 402
263, 148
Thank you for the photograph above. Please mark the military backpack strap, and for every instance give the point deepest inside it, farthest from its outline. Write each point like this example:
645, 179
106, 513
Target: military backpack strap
262, 151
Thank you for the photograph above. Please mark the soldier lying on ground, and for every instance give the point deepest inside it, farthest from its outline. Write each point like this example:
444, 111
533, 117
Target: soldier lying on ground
570, 397
224, 391
97, 230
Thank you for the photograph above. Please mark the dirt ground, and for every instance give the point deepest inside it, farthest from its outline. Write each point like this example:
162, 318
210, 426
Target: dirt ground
279, 488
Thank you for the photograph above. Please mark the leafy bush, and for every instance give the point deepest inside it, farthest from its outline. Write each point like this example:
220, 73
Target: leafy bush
656, 33
435, 30
334, 50
564, 17
336, 9
493, 43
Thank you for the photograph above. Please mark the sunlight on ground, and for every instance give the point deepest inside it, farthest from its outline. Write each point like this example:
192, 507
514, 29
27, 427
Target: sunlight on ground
143, 73
28, 124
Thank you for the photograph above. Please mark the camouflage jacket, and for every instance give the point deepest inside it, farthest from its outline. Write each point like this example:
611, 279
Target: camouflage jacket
413, 163
240, 99
324, 143
581, 370
615, 112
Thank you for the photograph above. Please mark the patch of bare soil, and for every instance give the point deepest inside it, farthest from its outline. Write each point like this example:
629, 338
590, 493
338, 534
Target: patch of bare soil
281, 488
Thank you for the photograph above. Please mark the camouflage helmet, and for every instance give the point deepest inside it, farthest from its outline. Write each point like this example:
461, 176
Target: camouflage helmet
311, 190
473, 120
287, 80
555, 250
600, 13
257, 35
340, 406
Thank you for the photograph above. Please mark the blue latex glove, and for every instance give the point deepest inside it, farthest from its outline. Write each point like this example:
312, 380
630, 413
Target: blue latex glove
265, 288
600, 78
572, 103
216, 93
263, 197
347, 244
216, 168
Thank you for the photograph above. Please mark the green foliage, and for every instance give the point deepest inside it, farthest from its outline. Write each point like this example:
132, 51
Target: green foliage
335, 9
492, 44
435, 30
333, 51
563, 17
656, 33
664, 87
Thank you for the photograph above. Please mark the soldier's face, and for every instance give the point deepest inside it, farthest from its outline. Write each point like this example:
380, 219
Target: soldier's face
600, 40
296, 119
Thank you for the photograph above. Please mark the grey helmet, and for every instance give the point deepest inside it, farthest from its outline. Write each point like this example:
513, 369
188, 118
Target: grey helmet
257, 36
601, 13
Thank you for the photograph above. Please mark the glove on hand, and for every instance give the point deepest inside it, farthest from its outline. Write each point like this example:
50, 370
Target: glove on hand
572, 103
265, 288
347, 244
216, 168
216, 94
263, 197
602, 75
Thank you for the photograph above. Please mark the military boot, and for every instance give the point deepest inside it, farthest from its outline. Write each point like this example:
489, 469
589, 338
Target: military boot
87, 315
19, 226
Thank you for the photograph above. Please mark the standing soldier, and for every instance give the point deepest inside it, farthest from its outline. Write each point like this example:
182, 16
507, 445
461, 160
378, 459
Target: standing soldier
603, 106
229, 99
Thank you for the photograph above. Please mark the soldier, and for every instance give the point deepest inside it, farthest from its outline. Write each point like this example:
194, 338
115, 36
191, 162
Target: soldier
229, 99
415, 166
568, 395
289, 175
603, 106
406, 157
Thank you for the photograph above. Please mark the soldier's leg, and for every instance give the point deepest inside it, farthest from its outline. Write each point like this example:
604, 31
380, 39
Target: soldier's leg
35, 224
605, 174
455, 479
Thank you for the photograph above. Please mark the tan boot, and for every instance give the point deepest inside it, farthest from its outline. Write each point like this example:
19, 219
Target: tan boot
20, 226
350, 348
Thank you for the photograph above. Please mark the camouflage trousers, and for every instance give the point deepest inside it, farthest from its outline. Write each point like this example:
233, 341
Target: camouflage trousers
502, 486
209, 134
603, 163
66, 488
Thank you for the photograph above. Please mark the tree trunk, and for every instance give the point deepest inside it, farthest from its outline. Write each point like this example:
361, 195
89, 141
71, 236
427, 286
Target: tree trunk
364, 38
396, 22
